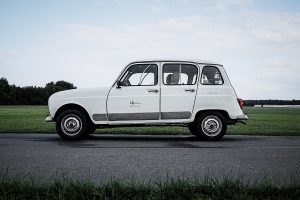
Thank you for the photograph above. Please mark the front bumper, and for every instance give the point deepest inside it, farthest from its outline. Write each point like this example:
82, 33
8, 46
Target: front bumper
48, 119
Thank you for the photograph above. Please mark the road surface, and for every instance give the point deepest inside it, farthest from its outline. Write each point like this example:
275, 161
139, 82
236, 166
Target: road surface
102, 158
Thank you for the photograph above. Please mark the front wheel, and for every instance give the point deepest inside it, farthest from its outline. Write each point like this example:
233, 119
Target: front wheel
209, 126
72, 125
92, 128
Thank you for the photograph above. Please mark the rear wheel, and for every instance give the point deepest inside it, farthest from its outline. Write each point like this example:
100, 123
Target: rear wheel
209, 126
72, 125
192, 128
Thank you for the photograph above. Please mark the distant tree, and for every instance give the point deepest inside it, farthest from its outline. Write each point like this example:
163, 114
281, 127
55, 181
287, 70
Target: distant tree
30, 95
52, 87
64, 85
4, 91
271, 102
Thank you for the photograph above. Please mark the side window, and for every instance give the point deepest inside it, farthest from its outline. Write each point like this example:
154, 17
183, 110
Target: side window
139, 75
211, 76
179, 74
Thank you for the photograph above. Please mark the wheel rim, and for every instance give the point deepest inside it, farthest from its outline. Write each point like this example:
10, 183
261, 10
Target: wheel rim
71, 124
211, 125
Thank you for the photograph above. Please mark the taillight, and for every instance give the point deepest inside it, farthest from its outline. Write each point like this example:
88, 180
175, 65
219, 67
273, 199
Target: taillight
241, 103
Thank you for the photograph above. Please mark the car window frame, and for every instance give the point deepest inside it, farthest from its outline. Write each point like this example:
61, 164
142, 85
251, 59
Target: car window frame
125, 71
217, 69
178, 63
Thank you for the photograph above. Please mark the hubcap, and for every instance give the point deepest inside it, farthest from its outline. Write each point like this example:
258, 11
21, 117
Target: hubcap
211, 125
71, 124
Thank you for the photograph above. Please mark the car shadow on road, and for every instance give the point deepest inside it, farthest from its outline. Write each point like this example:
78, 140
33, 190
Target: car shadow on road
153, 141
132, 138
119, 141
127, 137
108, 137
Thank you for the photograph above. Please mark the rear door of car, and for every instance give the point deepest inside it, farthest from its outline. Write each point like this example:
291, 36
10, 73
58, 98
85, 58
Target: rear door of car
178, 90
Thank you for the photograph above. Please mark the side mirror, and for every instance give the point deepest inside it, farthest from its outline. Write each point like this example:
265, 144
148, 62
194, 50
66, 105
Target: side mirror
118, 84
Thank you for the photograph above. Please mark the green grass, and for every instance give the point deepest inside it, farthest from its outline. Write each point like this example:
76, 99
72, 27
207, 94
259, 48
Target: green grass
262, 121
270, 121
172, 189
24, 119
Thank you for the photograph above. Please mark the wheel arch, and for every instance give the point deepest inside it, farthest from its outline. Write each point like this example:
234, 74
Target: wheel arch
223, 112
71, 106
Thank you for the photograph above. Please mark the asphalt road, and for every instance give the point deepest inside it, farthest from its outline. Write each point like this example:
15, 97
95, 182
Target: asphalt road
102, 158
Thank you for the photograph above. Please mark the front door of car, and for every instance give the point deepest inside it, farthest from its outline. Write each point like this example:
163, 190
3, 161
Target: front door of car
135, 96
178, 90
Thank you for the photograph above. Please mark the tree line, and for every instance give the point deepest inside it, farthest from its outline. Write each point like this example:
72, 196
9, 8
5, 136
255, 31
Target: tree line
30, 95
271, 102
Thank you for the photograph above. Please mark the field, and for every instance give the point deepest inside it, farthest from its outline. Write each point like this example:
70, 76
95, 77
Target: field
262, 121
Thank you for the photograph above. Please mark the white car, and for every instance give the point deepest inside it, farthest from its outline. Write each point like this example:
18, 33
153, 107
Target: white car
197, 94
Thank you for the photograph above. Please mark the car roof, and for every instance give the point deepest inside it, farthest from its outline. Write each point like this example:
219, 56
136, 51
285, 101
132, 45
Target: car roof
200, 61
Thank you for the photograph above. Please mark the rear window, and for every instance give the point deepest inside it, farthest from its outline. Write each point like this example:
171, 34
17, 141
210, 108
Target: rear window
179, 74
211, 76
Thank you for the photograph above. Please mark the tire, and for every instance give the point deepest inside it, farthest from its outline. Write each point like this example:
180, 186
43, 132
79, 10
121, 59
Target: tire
192, 128
92, 129
209, 126
72, 125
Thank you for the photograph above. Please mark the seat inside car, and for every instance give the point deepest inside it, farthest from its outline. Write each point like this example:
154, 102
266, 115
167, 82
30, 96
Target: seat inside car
172, 79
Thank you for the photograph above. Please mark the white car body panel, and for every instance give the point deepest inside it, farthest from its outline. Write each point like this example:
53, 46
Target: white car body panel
140, 105
217, 97
93, 100
131, 100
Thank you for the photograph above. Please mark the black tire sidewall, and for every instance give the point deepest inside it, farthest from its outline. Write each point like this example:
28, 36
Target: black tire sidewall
198, 129
84, 123
92, 128
192, 128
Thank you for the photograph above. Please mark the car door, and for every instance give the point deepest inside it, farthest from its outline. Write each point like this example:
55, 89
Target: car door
135, 96
178, 90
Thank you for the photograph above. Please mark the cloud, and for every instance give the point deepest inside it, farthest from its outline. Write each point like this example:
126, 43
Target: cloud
261, 55
225, 5
156, 6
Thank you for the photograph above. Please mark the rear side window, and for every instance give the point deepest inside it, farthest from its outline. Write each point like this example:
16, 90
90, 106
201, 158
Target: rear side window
179, 74
211, 76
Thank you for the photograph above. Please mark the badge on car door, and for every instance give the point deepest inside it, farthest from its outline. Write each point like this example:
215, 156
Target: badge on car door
134, 104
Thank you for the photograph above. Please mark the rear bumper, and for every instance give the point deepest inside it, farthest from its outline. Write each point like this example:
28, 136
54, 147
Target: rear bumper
237, 119
242, 117
48, 119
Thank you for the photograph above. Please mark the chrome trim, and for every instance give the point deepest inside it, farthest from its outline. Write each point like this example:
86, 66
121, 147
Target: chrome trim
71, 124
211, 126
242, 117
133, 116
176, 115
145, 116
99, 117
154, 91
189, 90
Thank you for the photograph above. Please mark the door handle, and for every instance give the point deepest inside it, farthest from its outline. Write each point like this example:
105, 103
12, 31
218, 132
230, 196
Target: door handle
154, 91
189, 90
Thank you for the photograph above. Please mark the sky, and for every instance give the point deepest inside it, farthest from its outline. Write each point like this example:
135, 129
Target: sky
88, 42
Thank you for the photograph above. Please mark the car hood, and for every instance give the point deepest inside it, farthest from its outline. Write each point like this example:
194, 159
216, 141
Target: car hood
81, 93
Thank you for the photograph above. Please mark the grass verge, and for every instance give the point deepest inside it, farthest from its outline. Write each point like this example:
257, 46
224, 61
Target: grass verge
262, 121
173, 189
